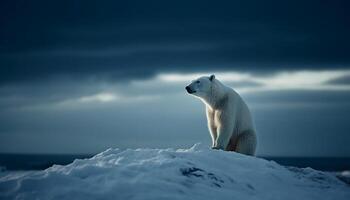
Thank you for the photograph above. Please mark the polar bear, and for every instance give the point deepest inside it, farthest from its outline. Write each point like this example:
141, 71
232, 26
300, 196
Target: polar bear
229, 120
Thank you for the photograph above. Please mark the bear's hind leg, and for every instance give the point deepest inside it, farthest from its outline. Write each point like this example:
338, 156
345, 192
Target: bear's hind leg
232, 144
246, 143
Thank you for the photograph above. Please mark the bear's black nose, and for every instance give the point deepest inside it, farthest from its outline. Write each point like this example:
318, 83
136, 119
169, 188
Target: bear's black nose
188, 89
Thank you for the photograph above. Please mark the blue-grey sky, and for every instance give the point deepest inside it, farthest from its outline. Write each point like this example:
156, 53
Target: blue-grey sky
82, 76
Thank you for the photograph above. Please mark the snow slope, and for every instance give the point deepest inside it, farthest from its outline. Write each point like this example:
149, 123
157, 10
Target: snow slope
195, 173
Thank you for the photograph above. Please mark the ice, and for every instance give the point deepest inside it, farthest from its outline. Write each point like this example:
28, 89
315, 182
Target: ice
194, 173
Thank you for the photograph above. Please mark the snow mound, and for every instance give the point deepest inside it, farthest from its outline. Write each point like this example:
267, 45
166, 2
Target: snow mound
195, 173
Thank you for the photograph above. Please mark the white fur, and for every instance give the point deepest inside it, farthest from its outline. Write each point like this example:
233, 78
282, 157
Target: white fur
229, 119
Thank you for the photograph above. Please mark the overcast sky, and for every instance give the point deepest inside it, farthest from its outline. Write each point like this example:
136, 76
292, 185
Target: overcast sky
83, 76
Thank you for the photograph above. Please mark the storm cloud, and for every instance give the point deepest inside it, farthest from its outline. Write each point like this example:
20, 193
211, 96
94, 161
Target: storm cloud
135, 39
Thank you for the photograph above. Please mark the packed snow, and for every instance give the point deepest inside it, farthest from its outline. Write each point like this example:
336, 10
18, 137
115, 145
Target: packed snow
194, 173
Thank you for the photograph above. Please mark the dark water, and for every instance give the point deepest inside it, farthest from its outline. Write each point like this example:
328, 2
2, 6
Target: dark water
319, 163
39, 162
36, 161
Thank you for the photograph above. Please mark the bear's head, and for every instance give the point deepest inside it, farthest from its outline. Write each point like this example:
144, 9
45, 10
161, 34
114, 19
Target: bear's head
201, 87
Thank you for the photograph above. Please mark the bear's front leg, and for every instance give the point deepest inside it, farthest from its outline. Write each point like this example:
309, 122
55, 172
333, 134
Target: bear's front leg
211, 125
224, 135
213, 134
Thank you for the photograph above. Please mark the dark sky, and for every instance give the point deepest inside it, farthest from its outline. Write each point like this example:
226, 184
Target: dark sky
40, 39
82, 76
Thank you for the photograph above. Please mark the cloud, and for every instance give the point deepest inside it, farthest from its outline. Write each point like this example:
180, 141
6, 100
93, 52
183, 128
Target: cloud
102, 97
69, 93
343, 80
229, 76
282, 80
120, 40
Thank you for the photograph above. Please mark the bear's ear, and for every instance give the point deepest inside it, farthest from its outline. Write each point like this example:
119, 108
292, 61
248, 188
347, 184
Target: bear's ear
212, 77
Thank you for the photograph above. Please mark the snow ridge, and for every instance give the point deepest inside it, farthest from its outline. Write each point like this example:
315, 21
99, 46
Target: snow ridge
194, 173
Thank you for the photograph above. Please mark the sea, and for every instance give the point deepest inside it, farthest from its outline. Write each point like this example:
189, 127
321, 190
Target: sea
23, 162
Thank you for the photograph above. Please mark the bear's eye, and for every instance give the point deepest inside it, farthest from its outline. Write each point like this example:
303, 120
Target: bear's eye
197, 81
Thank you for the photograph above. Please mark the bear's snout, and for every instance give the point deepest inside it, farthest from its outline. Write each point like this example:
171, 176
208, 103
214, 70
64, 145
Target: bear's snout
189, 90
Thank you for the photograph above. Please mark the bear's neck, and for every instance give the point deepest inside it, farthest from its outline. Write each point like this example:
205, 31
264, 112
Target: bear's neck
217, 96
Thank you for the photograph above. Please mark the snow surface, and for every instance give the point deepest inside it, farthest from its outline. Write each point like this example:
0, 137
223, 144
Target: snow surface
195, 173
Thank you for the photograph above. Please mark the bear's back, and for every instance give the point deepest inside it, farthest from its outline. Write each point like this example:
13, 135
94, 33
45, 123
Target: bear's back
241, 112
